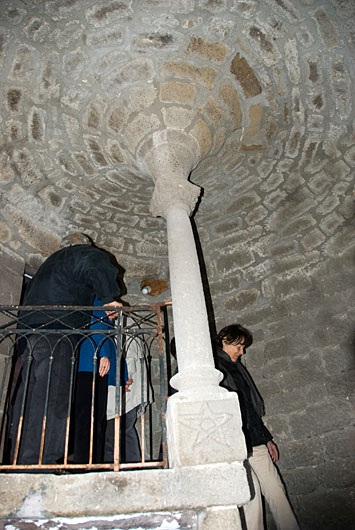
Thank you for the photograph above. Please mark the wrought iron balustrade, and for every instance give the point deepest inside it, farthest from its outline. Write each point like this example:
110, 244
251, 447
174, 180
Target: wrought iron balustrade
141, 333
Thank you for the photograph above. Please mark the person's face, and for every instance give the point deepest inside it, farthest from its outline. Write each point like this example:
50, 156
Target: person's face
234, 350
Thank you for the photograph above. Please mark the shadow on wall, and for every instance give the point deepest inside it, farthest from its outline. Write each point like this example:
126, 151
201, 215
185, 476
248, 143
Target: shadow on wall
204, 277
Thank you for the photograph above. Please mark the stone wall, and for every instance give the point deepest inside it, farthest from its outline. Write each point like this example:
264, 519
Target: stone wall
265, 88
278, 250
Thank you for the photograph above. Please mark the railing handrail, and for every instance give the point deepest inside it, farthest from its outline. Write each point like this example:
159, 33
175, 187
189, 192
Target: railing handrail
146, 327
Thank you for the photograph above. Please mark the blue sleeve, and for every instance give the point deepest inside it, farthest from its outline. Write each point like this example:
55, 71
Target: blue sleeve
102, 344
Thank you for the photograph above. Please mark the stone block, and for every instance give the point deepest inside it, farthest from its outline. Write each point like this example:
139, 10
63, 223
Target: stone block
326, 28
278, 426
346, 208
104, 13
291, 285
229, 264
13, 99
235, 242
341, 383
295, 139
204, 75
177, 92
220, 519
85, 164
81, 205
202, 135
296, 226
117, 204
313, 239
241, 300
51, 197
204, 431
255, 118
152, 249
5, 232
297, 203
137, 70
243, 202
23, 64
213, 111
141, 97
95, 494
27, 166
228, 226
297, 261
118, 118
292, 61
73, 63
212, 51
262, 43
95, 151
300, 454
257, 215
349, 156
341, 243
230, 97
156, 40
177, 117
337, 473
37, 236
122, 180
301, 481
36, 125
245, 76
260, 315
139, 127
131, 233
320, 182
331, 223
319, 418
105, 38
345, 440
220, 28
276, 347
223, 286
139, 268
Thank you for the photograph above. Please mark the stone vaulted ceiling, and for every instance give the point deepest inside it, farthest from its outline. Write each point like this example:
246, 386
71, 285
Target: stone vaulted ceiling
264, 86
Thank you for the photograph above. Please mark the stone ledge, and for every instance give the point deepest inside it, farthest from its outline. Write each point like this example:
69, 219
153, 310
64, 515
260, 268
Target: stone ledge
108, 493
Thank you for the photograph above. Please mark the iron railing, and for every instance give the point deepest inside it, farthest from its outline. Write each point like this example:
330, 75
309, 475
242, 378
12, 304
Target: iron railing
143, 330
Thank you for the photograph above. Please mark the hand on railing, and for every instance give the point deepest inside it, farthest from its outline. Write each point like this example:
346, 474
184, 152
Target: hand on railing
113, 314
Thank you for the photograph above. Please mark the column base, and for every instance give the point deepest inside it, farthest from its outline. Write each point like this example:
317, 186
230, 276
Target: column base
204, 429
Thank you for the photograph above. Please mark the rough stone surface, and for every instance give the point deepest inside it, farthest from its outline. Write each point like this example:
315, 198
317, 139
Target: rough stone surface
265, 88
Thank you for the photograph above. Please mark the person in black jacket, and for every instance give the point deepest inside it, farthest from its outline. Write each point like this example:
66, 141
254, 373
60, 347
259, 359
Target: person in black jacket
72, 276
232, 342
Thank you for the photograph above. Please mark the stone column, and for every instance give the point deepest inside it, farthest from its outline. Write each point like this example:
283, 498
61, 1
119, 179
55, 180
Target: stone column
203, 419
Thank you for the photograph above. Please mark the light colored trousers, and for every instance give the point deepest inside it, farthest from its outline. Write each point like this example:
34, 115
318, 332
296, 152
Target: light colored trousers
267, 479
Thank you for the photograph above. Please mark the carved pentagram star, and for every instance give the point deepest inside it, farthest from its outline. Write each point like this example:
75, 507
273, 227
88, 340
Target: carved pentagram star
207, 424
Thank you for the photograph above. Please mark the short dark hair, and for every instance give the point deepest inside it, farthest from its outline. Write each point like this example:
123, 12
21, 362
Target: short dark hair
234, 334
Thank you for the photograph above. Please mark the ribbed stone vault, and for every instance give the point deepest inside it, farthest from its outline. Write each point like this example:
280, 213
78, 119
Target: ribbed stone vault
265, 88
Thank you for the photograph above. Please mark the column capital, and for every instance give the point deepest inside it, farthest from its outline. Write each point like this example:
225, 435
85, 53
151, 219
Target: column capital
169, 193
